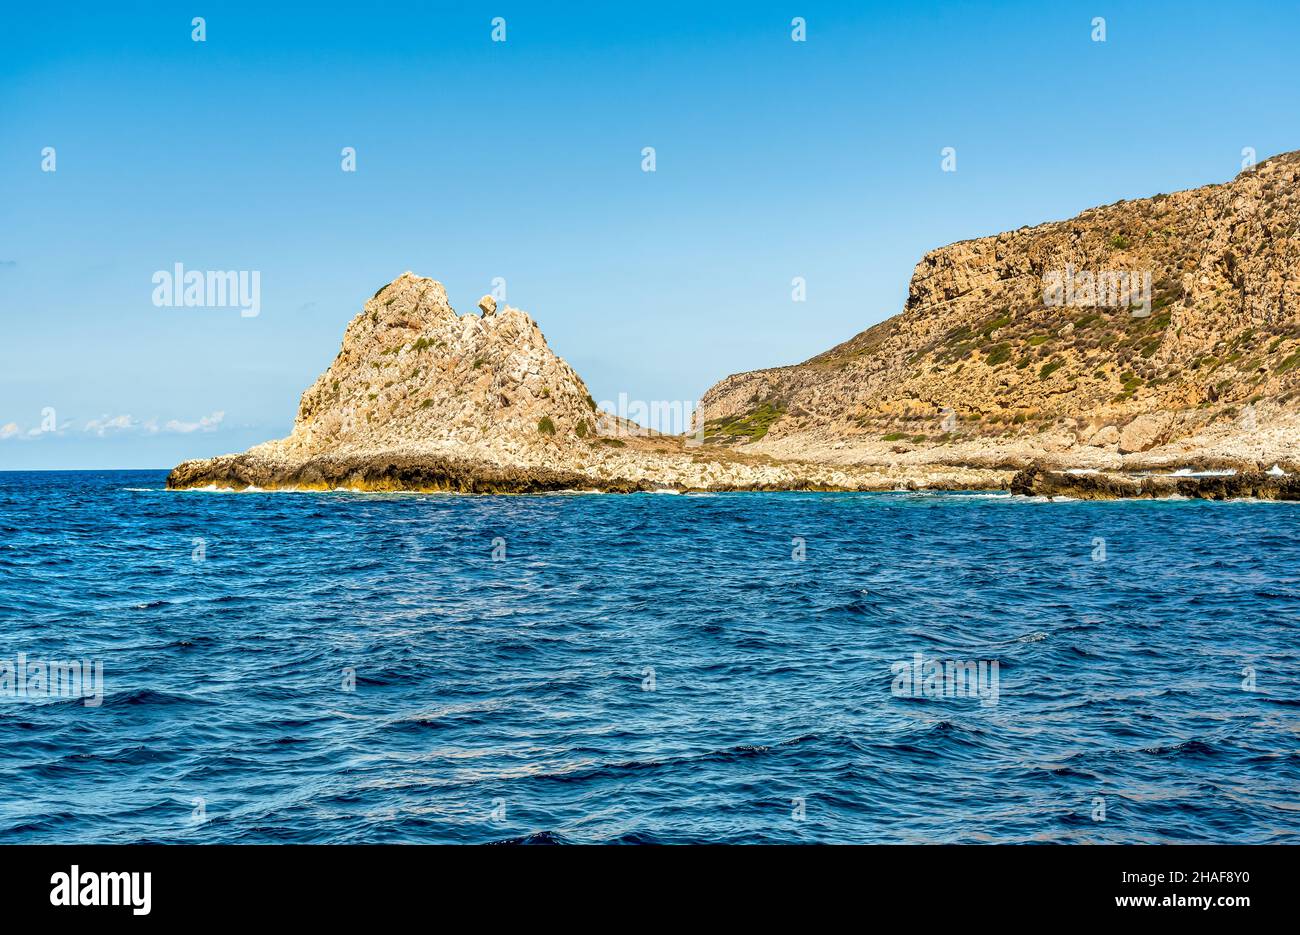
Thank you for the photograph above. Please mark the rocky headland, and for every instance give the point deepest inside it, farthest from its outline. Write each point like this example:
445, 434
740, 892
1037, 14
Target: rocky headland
1145, 348
421, 398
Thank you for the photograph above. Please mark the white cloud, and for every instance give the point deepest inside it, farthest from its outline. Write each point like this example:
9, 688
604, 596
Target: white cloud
14, 430
105, 424
205, 424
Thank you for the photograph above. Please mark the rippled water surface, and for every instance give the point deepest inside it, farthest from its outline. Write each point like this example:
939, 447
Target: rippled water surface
508, 700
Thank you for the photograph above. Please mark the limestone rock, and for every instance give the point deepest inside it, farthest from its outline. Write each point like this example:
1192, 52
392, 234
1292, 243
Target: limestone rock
1142, 433
977, 336
1036, 480
1105, 436
487, 305
414, 375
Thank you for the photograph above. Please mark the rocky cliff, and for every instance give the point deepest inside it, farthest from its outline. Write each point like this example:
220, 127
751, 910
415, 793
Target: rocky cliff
1152, 332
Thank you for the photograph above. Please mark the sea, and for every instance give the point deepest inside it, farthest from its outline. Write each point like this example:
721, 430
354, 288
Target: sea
909, 667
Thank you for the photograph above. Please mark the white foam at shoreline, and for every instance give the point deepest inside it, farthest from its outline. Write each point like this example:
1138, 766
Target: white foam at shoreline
1188, 472
953, 494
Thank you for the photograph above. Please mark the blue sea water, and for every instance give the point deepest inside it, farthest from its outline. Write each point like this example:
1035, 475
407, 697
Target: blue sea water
645, 668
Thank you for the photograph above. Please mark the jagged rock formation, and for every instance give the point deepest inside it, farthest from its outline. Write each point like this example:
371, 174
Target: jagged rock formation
420, 398
481, 401
412, 372
980, 369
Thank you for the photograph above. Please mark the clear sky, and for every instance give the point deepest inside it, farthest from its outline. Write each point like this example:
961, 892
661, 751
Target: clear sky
523, 160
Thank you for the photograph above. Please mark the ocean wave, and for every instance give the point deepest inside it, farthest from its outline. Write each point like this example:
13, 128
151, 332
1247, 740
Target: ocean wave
147, 696
1185, 748
536, 837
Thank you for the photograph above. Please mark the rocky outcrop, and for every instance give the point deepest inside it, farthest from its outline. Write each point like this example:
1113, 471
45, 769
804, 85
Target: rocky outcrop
1042, 343
420, 398
1260, 485
413, 373
407, 471
393, 472
1144, 432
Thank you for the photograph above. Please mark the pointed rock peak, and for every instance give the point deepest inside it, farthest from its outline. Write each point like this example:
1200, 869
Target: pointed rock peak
406, 278
409, 300
413, 375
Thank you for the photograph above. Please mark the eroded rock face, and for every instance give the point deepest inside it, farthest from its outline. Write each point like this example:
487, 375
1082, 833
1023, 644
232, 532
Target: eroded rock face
1144, 432
978, 338
385, 472
413, 374
1105, 436
1039, 481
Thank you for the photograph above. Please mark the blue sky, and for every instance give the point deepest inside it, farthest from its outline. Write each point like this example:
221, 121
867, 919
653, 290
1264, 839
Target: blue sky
522, 160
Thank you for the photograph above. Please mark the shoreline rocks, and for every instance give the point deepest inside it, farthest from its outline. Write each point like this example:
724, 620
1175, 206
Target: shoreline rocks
638, 472
378, 473
1038, 481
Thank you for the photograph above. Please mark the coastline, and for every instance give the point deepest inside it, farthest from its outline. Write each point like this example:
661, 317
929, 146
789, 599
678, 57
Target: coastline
407, 472
624, 472
421, 398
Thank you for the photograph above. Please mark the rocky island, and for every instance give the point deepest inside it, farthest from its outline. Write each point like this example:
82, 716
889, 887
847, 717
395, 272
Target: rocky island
1144, 348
